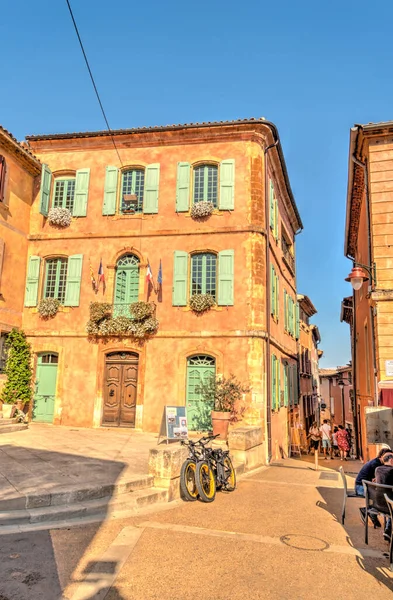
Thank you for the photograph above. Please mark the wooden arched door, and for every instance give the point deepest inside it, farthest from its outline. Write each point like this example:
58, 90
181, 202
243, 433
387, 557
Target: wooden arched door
120, 389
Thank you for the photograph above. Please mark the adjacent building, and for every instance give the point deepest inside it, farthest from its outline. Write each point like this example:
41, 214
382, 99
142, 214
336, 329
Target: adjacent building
19, 169
132, 196
369, 245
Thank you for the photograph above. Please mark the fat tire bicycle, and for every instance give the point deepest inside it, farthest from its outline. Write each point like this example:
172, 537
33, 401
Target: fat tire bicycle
214, 472
188, 488
205, 471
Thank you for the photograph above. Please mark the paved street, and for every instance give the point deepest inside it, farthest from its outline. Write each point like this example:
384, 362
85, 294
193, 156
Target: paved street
276, 537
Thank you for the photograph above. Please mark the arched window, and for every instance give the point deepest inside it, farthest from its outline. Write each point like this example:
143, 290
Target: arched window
206, 184
64, 193
203, 274
126, 285
200, 368
55, 278
132, 189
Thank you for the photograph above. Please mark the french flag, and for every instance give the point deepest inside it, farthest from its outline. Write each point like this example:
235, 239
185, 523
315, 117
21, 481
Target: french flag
101, 276
149, 275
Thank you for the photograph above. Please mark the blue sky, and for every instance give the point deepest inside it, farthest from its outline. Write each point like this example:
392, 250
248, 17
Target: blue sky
313, 68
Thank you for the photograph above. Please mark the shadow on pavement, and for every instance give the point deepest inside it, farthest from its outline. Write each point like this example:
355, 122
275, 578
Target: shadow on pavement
39, 565
377, 566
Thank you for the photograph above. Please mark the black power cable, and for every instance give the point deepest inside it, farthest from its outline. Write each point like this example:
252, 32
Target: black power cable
92, 80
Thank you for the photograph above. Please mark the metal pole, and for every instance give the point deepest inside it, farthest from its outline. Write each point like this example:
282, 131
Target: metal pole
343, 405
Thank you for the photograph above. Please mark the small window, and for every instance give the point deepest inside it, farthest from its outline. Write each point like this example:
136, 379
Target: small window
204, 274
64, 193
49, 359
3, 169
55, 278
3, 351
132, 190
206, 184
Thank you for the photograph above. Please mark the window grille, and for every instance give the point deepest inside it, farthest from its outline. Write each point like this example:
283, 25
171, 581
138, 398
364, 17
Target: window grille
203, 274
133, 183
56, 278
206, 183
64, 194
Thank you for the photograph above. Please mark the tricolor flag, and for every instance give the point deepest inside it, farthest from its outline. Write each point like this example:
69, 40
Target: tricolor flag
159, 283
149, 274
101, 277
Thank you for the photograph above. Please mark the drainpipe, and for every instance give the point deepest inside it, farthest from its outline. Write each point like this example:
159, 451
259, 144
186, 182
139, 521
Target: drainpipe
357, 425
363, 165
267, 266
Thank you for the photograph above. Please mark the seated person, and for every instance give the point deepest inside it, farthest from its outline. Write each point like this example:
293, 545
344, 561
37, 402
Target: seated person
384, 475
367, 472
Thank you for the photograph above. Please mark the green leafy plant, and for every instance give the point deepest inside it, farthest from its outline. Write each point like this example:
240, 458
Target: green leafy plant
202, 209
201, 302
224, 394
18, 369
142, 310
99, 311
48, 307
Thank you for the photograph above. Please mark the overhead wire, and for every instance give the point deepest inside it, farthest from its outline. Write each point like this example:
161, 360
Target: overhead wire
93, 82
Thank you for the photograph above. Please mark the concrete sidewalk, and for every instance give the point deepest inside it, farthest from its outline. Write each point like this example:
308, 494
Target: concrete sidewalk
48, 465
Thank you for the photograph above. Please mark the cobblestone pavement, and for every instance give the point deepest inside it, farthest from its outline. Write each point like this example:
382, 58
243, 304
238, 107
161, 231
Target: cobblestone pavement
276, 537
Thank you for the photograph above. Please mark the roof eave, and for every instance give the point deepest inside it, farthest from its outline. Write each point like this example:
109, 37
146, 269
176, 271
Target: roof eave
352, 145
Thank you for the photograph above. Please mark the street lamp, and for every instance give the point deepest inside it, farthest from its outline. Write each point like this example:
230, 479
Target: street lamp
358, 275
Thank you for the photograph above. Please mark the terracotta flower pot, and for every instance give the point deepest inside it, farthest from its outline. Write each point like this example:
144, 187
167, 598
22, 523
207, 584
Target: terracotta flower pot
220, 421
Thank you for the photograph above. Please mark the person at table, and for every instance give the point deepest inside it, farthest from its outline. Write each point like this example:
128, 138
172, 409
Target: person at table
367, 473
384, 475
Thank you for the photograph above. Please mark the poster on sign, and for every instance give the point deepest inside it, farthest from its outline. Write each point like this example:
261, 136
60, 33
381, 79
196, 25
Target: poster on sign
174, 424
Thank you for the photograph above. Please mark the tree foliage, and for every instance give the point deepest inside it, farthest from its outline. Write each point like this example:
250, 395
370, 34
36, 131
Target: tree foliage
18, 369
224, 394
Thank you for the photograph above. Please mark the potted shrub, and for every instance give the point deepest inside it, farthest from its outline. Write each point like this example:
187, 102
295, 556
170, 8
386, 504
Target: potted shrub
225, 396
17, 390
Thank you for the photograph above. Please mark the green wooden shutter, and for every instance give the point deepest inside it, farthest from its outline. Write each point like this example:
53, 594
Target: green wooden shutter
152, 181
277, 297
297, 332
271, 192
285, 311
180, 275
274, 381
276, 218
272, 290
32, 279
183, 187
73, 285
278, 363
227, 185
226, 273
290, 315
81, 192
110, 191
286, 384
46, 180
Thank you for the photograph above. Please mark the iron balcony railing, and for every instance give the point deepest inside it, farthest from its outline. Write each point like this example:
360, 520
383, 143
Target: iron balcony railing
290, 260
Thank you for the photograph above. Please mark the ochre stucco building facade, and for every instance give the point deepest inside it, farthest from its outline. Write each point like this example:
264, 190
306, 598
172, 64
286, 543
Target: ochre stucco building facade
131, 207
369, 245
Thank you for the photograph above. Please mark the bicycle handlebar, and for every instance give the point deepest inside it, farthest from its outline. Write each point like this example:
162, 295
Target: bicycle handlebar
202, 441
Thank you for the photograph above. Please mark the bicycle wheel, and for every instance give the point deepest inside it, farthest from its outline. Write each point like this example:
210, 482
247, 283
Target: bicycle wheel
205, 482
188, 487
230, 475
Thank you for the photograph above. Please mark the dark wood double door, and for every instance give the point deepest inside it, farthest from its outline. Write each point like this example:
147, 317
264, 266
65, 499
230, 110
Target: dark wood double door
120, 388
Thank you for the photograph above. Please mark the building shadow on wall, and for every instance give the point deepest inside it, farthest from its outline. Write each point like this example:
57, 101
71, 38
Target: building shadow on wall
377, 565
41, 564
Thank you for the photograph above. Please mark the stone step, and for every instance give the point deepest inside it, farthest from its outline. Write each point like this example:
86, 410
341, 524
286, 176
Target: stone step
100, 509
72, 494
10, 426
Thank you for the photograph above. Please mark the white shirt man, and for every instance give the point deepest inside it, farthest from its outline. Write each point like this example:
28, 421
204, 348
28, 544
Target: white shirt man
326, 432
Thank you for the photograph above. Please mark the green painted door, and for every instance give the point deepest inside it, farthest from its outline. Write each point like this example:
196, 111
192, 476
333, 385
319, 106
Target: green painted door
199, 368
44, 397
127, 285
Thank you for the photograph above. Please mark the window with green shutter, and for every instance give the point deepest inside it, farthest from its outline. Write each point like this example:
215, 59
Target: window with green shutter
55, 278
271, 196
206, 184
132, 191
203, 274
273, 378
126, 284
64, 193
274, 297
286, 384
